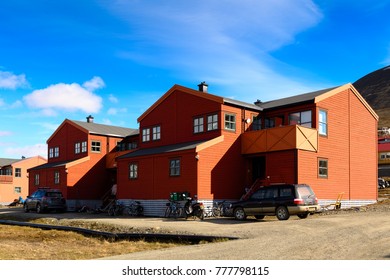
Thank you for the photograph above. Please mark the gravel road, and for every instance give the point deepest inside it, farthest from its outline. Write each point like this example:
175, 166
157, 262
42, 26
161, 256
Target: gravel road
348, 235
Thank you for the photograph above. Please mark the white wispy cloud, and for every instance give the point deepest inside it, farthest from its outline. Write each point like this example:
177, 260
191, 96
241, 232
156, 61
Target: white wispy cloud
67, 97
229, 43
5, 133
113, 99
28, 151
9, 80
94, 84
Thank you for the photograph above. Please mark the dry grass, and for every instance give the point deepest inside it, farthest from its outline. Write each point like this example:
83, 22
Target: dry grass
24, 243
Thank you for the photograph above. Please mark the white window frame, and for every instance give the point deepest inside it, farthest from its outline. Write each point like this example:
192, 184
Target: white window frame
323, 124
96, 146
230, 121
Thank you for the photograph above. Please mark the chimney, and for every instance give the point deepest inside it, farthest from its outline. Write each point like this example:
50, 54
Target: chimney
203, 87
257, 102
89, 119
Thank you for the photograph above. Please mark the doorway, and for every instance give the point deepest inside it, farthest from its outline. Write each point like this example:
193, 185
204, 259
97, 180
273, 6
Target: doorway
258, 168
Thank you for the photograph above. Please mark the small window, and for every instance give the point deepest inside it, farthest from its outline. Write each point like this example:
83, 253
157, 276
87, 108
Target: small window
198, 125
212, 122
174, 168
36, 180
51, 153
77, 148
322, 168
133, 170
323, 123
18, 172
269, 123
230, 122
56, 152
95, 146
84, 146
17, 190
56, 177
157, 132
256, 123
145, 134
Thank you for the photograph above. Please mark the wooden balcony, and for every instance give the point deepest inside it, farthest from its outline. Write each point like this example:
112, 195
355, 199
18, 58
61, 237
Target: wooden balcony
279, 139
6, 179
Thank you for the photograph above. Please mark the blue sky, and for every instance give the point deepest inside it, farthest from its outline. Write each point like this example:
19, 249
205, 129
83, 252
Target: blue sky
114, 58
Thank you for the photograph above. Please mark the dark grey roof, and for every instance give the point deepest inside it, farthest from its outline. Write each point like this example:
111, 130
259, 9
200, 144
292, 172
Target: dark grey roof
302, 98
242, 104
163, 149
109, 130
50, 165
7, 161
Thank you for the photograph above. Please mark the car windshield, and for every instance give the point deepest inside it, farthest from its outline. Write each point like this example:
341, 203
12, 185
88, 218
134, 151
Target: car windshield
304, 191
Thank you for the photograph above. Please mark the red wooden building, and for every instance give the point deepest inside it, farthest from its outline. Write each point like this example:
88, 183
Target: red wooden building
215, 147
81, 160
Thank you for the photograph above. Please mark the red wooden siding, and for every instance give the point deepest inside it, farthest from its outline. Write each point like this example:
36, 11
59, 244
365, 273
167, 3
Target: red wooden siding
349, 148
154, 180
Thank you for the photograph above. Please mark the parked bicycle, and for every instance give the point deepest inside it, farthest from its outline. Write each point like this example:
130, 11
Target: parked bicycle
174, 209
115, 209
219, 209
134, 209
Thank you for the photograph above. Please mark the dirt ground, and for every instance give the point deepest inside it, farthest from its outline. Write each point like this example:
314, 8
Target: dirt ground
357, 233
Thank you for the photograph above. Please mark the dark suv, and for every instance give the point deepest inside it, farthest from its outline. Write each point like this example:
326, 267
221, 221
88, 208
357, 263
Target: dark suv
281, 200
44, 200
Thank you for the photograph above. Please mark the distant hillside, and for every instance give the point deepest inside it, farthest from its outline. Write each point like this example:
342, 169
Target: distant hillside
375, 88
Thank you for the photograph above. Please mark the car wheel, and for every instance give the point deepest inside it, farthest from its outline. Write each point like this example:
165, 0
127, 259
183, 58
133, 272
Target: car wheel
303, 216
282, 213
259, 217
239, 214
39, 208
25, 208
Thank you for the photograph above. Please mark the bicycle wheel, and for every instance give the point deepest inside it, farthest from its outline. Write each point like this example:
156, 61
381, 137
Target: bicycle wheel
216, 211
127, 211
111, 211
168, 211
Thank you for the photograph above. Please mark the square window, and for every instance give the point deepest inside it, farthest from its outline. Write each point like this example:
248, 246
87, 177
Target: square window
95, 146
230, 122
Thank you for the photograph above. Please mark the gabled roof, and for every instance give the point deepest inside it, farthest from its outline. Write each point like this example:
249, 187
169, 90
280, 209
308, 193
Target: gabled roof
65, 164
293, 100
315, 97
109, 130
7, 161
200, 94
98, 129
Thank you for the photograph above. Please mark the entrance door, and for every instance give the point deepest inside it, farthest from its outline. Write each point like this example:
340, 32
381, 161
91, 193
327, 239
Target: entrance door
258, 168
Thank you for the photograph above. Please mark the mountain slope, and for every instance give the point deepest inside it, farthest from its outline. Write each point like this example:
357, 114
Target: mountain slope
375, 88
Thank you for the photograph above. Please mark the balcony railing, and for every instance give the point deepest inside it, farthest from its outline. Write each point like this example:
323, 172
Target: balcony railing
280, 139
6, 178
